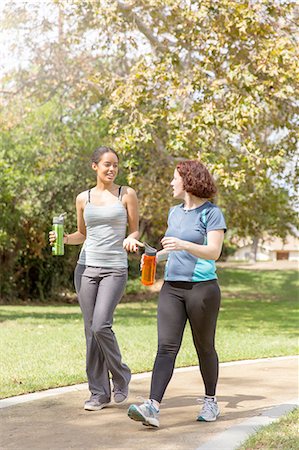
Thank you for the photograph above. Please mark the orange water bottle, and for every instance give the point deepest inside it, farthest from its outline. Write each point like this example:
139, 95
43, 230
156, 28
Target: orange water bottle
149, 265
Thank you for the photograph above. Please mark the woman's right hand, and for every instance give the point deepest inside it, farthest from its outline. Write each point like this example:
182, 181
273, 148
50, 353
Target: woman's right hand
52, 237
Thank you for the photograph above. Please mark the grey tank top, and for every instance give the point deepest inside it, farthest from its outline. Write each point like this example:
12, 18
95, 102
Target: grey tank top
105, 232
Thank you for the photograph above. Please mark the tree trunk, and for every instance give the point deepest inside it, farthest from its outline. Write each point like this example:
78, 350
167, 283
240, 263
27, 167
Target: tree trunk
254, 248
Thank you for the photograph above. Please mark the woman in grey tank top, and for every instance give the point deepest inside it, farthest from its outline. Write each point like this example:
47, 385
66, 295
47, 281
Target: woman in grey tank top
103, 214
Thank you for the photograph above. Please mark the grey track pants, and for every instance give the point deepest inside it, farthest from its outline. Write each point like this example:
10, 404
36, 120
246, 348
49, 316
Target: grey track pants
99, 291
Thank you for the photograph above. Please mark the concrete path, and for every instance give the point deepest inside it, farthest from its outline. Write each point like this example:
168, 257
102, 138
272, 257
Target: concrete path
248, 392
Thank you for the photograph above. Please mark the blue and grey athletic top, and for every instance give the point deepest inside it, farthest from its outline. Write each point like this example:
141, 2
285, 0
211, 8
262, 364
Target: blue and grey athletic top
192, 225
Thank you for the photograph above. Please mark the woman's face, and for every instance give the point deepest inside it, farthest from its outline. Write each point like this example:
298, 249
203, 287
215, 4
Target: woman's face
177, 185
107, 167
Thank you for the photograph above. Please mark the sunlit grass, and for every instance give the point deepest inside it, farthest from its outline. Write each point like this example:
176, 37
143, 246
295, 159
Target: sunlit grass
44, 346
281, 435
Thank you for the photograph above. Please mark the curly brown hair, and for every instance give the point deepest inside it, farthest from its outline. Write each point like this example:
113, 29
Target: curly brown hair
197, 180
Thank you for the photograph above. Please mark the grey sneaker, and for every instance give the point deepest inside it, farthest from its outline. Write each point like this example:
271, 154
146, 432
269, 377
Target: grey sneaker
120, 395
95, 403
145, 413
210, 410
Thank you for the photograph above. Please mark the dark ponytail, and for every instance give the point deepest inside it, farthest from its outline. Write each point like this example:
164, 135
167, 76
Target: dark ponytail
99, 152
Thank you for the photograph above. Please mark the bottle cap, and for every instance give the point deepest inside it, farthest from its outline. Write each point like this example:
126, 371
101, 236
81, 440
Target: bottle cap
59, 219
149, 251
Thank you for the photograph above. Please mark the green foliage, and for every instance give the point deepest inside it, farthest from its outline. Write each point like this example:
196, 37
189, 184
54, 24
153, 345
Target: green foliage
228, 249
40, 162
160, 81
216, 78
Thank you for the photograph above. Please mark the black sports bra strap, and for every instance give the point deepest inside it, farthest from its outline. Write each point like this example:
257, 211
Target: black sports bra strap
119, 192
88, 195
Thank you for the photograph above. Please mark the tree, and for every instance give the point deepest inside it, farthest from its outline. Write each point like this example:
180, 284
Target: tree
218, 78
178, 78
160, 81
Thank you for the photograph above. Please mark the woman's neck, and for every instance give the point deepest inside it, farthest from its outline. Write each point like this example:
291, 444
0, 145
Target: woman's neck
191, 201
100, 186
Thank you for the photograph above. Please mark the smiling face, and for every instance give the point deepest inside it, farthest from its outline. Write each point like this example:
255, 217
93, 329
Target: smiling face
107, 167
177, 185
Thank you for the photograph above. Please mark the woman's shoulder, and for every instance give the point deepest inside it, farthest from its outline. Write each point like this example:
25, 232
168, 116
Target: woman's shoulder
214, 217
82, 197
212, 207
128, 192
175, 210
177, 207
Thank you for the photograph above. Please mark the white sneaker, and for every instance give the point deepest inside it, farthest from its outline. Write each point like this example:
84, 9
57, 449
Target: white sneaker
210, 410
145, 413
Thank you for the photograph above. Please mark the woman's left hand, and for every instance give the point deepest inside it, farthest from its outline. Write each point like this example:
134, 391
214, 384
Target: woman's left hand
131, 244
172, 244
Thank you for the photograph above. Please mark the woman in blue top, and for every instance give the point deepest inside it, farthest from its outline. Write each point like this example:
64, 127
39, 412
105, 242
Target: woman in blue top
192, 243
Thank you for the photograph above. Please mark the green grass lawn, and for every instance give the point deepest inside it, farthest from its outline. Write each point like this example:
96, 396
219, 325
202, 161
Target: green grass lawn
280, 435
43, 346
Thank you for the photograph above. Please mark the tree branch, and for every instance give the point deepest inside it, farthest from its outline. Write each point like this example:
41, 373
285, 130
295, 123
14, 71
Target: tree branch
131, 16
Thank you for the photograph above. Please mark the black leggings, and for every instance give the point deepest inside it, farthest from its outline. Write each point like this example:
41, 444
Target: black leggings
199, 303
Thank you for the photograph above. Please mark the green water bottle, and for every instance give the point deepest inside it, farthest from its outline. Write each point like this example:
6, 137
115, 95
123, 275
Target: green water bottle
58, 227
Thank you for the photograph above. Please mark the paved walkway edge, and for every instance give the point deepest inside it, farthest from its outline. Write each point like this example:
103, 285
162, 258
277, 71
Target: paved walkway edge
236, 435
11, 401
